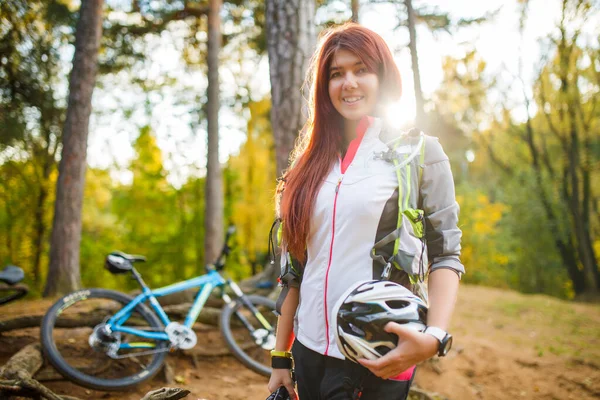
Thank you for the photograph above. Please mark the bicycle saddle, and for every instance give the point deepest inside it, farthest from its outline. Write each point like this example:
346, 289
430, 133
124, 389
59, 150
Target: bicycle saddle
118, 262
129, 257
11, 275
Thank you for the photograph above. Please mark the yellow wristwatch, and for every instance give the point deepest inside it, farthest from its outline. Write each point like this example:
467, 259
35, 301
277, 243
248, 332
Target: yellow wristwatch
277, 353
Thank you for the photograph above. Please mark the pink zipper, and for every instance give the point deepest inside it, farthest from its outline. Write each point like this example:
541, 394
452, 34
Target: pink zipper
337, 189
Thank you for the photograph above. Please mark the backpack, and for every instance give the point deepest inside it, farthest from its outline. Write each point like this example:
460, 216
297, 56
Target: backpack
410, 253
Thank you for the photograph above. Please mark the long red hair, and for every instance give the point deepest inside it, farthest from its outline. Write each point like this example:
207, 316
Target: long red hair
319, 143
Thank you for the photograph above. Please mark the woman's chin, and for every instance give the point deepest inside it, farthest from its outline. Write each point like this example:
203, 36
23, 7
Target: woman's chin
354, 115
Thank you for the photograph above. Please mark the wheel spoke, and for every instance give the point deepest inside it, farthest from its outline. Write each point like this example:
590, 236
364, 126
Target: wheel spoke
251, 346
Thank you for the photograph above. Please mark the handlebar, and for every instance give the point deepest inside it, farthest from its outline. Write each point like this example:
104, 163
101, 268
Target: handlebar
220, 262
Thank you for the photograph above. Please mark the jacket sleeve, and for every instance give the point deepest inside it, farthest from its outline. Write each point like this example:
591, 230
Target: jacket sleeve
290, 269
437, 199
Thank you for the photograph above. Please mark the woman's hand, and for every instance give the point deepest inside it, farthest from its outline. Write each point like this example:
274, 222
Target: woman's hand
413, 347
282, 377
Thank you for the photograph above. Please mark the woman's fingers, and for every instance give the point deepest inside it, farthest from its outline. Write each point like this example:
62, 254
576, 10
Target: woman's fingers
281, 378
291, 391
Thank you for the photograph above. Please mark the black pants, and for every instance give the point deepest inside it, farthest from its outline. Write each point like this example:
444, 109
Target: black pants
327, 378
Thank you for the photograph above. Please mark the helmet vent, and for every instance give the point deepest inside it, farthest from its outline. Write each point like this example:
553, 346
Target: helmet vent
357, 330
363, 311
360, 308
396, 304
383, 350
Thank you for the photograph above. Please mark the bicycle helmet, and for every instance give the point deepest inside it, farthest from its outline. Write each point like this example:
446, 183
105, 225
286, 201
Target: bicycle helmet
364, 309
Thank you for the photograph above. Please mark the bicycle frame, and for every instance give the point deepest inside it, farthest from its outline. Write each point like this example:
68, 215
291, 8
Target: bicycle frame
207, 283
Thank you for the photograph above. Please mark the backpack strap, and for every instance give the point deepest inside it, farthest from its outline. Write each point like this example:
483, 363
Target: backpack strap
402, 164
291, 270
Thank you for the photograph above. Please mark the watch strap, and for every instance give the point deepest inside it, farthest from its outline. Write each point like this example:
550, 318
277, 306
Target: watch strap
442, 337
436, 332
281, 362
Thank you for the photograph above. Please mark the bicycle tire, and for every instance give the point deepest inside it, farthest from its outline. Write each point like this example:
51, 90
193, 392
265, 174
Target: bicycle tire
49, 328
241, 343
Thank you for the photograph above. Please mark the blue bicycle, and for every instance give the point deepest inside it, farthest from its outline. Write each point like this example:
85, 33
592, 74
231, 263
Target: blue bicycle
107, 340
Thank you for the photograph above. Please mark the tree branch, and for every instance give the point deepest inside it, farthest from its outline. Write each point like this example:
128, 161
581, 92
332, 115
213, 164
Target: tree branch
553, 129
160, 22
503, 167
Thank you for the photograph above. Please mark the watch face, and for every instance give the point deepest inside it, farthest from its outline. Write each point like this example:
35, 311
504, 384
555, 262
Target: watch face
447, 345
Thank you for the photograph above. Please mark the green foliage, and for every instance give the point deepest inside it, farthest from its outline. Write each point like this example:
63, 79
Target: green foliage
32, 34
17, 221
508, 239
508, 242
151, 217
148, 217
483, 253
101, 231
539, 172
29, 70
463, 98
147, 212
250, 184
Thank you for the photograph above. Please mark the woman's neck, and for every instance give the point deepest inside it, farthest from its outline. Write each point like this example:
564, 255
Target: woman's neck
349, 132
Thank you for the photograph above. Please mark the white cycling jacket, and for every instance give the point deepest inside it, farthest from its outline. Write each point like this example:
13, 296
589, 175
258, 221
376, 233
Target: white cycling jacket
356, 206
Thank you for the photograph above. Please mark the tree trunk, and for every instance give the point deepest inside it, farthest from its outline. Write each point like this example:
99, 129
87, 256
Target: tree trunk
28, 360
213, 214
166, 394
9, 230
565, 246
569, 259
577, 207
586, 224
63, 273
16, 376
355, 7
420, 112
208, 316
581, 229
290, 43
40, 224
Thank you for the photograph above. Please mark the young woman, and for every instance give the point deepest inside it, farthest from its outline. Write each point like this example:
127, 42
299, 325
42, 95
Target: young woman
334, 208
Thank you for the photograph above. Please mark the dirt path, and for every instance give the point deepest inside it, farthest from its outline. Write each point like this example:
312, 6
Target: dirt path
507, 346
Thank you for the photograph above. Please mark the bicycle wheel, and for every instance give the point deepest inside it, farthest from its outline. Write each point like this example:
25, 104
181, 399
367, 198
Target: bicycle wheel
77, 344
251, 343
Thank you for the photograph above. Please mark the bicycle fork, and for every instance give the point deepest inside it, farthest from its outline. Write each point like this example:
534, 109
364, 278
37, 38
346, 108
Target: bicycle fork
260, 335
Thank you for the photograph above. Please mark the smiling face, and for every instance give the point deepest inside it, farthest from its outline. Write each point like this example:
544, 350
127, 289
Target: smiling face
353, 89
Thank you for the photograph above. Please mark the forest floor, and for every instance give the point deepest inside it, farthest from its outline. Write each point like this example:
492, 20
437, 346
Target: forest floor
507, 346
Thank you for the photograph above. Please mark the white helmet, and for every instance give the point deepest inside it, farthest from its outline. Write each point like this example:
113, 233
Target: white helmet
364, 309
